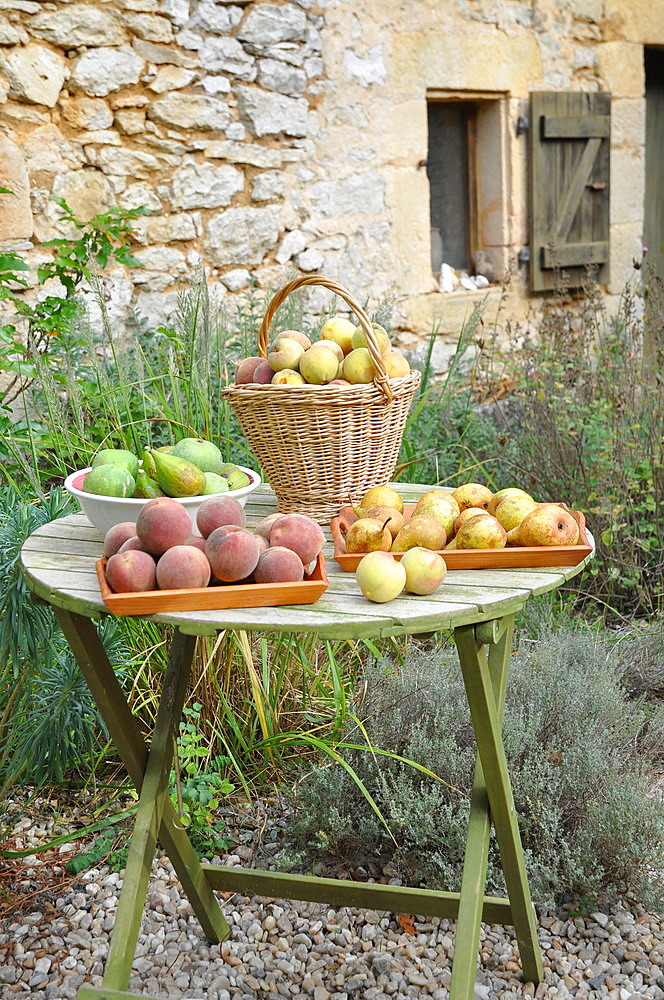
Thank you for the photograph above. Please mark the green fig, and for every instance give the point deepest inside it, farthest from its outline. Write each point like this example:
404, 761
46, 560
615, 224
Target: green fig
116, 456
147, 462
204, 454
146, 488
235, 476
110, 481
177, 477
214, 484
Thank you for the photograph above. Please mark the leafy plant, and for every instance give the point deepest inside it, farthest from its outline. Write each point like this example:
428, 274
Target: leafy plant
102, 238
580, 757
198, 796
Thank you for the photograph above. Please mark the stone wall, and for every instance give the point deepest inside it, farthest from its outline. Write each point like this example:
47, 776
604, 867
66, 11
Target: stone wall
271, 136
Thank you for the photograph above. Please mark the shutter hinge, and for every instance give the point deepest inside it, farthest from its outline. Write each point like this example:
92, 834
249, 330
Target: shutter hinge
522, 125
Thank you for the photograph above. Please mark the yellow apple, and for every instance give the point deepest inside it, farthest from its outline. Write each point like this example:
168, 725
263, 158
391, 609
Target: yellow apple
380, 577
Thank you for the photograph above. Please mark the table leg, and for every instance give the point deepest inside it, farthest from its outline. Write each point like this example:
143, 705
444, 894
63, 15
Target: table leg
483, 680
124, 730
464, 968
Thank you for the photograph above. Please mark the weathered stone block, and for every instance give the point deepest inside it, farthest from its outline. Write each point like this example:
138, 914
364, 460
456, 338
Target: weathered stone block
205, 186
12, 34
86, 113
276, 75
35, 73
292, 244
15, 211
162, 54
358, 194
244, 152
226, 55
101, 71
87, 192
241, 235
171, 78
267, 187
150, 27
270, 114
79, 24
265, 24
190, 111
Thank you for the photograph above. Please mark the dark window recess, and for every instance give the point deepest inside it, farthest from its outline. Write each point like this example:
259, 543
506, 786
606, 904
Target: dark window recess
448, 170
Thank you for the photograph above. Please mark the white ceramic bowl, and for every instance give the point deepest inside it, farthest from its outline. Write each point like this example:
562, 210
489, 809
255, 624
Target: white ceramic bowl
104, 512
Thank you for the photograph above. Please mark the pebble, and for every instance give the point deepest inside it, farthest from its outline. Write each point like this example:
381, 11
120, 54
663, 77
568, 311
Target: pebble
308, 951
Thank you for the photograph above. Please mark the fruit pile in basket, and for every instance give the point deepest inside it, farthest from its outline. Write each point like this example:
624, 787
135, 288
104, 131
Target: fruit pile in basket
159, 552
192, 467
339, 357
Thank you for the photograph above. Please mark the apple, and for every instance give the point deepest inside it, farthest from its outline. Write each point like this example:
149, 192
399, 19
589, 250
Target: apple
425, 570
380, 577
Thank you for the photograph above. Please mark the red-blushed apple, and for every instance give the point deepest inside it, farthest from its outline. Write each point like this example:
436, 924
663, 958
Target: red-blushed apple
425, 570
380, 577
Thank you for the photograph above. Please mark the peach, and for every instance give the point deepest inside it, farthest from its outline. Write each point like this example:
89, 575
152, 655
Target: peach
245, 369
232, 555
264, 527
358, 368
132, 543
395, 364
287, 376
263, 373
340, 330
116, 536
285, 353
297, 335
278, 565
217, 510
329, 345
319, 365
162, 523
131, 572
299, 533
182, 567
360, 338
196, 540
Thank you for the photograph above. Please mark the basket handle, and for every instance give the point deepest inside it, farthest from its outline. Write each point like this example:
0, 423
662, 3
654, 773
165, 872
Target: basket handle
382, 378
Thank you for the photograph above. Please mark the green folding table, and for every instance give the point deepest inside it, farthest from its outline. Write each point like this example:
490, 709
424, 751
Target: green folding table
477, 606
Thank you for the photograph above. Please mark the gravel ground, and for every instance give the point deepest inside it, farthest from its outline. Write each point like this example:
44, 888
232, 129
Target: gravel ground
55, 928
303, 950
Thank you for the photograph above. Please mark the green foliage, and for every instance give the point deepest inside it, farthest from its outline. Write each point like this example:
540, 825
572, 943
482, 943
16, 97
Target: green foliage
196, 792
578, 752
102, 238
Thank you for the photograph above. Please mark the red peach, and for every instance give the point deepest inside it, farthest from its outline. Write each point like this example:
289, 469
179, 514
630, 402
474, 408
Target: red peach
218, 510
182, 567
116, 536
131, 572
162, 523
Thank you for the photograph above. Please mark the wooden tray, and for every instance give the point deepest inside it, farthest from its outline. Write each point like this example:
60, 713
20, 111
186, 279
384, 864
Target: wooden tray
507, 558
225, 595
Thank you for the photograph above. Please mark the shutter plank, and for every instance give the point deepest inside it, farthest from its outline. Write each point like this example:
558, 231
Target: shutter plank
568, 187
591, 127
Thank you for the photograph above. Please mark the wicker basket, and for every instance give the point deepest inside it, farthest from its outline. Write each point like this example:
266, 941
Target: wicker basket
322, 446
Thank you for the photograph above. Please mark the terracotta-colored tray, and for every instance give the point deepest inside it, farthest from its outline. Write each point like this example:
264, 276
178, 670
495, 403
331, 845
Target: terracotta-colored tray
225, 595
507, 558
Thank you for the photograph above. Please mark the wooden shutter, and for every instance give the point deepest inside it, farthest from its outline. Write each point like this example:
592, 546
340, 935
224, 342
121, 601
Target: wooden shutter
569, 186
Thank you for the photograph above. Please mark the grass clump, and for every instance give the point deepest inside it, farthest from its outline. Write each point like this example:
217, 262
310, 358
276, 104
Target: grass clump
581, 758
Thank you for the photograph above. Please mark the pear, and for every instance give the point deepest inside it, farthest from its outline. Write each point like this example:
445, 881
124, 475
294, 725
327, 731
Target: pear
466, 513
547, 524
146, 488
368, 534
421, 530
395, 520
472, 495
442, 505
480, 532
382, 495
501, 495
177, 477
513, 509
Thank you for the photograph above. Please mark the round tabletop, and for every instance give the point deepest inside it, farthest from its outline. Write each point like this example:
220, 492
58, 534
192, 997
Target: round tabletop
58, 565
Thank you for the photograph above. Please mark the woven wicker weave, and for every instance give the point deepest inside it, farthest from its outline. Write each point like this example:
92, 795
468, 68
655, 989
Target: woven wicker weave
321, 446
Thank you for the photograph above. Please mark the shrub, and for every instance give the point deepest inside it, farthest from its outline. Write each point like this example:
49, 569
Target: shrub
580, 776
